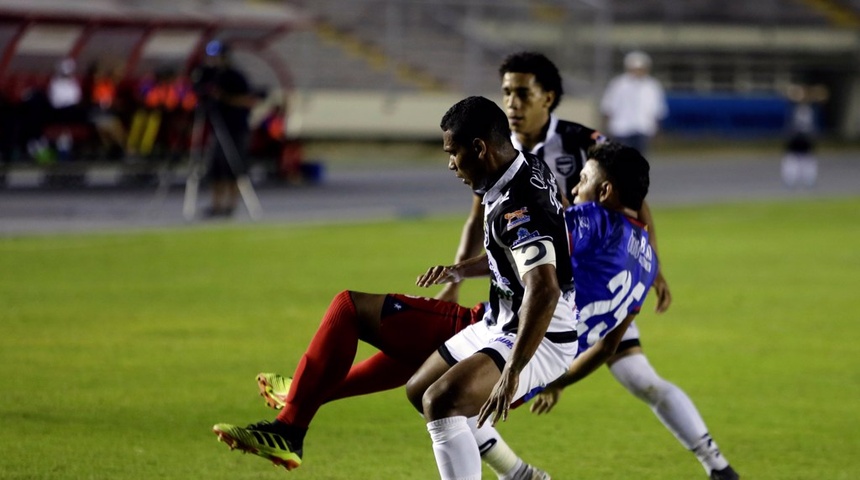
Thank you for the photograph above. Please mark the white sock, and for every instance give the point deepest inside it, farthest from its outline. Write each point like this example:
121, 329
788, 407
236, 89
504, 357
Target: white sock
454, 446
496, 453
672, 406
709, 454
790, 170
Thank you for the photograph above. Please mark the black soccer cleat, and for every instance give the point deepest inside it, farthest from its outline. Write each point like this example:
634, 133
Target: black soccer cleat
727, 473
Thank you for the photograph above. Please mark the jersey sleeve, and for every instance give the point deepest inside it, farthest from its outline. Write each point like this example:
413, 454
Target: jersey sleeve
578, 137
521, 224
584, 227
529, 232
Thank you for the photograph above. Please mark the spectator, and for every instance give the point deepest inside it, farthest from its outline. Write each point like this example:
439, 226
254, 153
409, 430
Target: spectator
64, 90
799, 164
65, 95
34, 111
178, 104
146, 122
270, 140
634, 103
7, 127
102, 89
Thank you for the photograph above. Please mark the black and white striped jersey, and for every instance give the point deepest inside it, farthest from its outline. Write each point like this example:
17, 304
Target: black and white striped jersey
565, 151
522, 211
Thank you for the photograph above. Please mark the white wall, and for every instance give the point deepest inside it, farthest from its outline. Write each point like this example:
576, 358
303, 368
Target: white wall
408, 116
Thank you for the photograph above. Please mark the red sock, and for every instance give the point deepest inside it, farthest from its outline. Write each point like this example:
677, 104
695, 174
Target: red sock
324, 364
375, 374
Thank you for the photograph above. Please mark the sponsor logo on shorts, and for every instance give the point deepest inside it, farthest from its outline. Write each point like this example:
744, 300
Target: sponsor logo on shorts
506, 341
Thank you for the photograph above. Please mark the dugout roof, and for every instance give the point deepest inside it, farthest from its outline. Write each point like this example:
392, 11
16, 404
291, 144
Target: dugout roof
139, 35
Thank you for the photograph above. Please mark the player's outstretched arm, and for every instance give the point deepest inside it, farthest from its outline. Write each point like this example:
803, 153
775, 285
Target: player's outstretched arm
471, 245
661, 286
664, 296
440, 274
587, 362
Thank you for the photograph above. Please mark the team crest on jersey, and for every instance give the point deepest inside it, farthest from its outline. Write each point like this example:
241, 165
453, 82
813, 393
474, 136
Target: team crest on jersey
517, 217
565, 165
523, 235
503, 291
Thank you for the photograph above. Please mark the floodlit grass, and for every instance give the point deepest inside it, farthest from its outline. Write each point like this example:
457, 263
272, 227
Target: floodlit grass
119, 351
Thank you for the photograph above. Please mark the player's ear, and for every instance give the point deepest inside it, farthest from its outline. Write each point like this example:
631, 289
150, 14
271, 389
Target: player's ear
479, 146
549, 98
605, 191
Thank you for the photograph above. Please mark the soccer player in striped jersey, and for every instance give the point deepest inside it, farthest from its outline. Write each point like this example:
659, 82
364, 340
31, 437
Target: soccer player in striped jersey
526, 338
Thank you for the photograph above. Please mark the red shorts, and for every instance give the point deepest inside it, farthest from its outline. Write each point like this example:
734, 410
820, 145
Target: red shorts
412, 328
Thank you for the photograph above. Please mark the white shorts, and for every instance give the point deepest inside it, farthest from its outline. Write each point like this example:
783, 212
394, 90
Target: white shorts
549, 362
632, 333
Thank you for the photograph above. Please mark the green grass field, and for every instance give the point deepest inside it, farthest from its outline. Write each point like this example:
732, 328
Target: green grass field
119, 351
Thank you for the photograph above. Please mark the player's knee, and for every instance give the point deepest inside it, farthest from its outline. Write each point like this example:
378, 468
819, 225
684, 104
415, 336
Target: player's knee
639, 378
439, 400
340, 312
343, 300
415, 389
368, 311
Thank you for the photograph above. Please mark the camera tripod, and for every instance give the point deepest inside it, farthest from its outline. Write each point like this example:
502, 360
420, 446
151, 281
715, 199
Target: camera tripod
197, 165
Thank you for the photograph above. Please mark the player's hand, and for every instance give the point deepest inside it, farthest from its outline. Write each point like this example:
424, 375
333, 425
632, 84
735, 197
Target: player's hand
449, 293
438, 275
664, 296
545, 400
499, 403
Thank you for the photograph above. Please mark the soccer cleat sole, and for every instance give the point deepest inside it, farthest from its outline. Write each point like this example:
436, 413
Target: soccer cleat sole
268, 393
235, 444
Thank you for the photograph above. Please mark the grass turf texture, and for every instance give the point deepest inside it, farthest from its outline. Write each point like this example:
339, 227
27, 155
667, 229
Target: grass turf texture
118, 352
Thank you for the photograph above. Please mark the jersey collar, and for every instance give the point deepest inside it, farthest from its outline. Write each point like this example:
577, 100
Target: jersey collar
495, 191
550, 132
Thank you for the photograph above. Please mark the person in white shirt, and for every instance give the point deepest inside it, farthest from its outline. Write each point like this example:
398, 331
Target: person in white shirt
65, 95
634, 103
799, 167
64, 90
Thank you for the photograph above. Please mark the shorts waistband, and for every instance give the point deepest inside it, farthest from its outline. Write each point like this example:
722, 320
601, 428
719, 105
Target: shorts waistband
561, 337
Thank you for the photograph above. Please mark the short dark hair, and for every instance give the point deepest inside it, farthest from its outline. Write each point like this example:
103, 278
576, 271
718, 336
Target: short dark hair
626, 169
545, 72
476, 117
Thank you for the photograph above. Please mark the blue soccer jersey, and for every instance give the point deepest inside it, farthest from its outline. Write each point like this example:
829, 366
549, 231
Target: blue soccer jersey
613, 268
